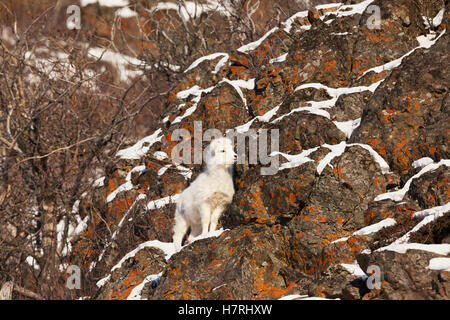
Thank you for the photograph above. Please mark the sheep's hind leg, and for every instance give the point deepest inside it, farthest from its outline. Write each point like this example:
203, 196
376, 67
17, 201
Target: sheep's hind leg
179, 230
195, 232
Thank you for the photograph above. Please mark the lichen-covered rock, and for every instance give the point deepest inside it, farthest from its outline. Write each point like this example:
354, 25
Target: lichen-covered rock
269, 199
336, 206
248, 262
350, 106
437, 232
338, 283
405, 276
407, 118
400, 24
307, 131
431, 189
132, 272
294, 232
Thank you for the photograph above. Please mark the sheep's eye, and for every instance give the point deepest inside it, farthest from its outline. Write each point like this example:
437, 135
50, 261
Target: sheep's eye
222, 150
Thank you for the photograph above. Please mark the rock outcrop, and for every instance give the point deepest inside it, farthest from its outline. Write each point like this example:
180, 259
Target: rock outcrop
355, 107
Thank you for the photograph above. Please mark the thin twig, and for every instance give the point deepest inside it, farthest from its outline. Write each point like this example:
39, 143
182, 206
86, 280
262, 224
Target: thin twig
28, 293
54, 151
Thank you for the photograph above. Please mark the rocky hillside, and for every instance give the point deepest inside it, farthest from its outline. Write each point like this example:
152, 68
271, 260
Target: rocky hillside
362, 189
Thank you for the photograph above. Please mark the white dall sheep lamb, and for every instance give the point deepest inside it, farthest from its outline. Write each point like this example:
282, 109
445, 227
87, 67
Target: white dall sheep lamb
201, 204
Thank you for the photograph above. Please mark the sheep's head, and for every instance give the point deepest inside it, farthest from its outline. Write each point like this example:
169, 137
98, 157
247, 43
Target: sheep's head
220, 152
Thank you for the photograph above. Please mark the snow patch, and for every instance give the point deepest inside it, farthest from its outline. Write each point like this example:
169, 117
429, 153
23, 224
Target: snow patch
197, 92
100, 283
253, 45
422, 162
33, 263
316, 107
430, 216
337, 92
399, 194
439, 264
188, 10
213, 56
160, 155
288, 23
295, 160
140, 148
328, 6
281, 58
424, 42
187, 113
163, 169
167, 247
348, 126
211, 234
159, 203
303, 297
56, 66
379, 159
370, 229
348, 10
127, 66
354, 269
73, 230
238, 84
293, 297
336, 151
100, 182
442, 249
128, 185
106, 3
435, 211
264, 118
436, 21
126, 13
340, 33
135, 294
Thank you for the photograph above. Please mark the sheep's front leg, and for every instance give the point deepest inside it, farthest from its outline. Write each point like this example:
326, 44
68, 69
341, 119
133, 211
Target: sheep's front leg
205, 214
215, 218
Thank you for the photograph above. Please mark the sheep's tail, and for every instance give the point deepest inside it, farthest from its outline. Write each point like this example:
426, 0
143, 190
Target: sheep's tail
180, 228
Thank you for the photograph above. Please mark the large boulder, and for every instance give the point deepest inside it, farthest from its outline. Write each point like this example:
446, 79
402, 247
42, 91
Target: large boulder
248, 262
406, 276
407, 118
